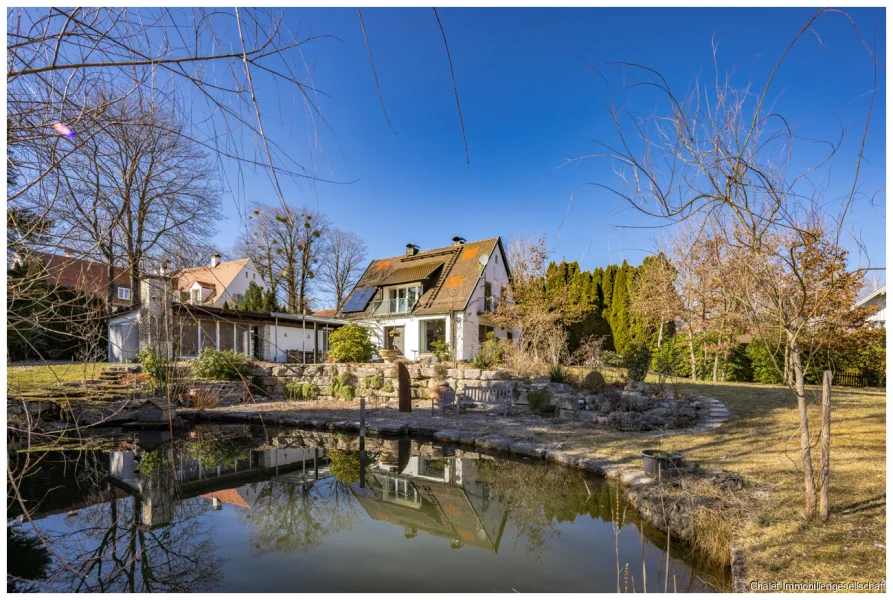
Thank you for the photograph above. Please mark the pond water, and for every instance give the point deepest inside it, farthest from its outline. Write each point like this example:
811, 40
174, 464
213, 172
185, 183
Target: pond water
237, 509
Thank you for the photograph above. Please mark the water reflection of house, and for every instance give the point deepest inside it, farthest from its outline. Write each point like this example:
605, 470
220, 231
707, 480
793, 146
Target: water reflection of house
159, 490
439, 496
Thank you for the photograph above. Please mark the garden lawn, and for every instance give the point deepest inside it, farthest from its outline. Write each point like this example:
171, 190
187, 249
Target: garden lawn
26, 379
760, 442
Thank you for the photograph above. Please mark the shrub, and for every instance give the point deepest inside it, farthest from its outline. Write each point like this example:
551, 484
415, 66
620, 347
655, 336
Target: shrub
156, 367
373, 382
343, 387
480, 361
388, 389
441, 350
344, 465
294, 390
558, 374
347, 392
594, 382
350, 344
309, 391
440, 371
612, 359
636, 361
219, 366
537, 400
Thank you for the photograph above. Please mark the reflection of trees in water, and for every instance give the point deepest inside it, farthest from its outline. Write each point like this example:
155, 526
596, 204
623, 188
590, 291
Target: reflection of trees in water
296, 517
27, 560
539, 498
104, 549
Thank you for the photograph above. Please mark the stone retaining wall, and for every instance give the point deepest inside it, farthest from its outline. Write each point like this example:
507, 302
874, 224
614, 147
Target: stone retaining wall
270, 379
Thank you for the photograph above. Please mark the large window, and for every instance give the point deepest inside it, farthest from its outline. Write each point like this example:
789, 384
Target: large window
188, 337
403, 299
227, 337
209, 334
483, 332
242, 339
433, 330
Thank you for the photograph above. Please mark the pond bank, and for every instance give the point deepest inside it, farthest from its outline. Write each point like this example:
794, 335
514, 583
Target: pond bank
677, 505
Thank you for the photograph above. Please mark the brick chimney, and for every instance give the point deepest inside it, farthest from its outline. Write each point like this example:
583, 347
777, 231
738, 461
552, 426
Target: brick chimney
411, 249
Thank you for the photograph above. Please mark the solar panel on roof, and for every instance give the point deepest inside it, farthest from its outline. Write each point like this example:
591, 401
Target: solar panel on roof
359, 300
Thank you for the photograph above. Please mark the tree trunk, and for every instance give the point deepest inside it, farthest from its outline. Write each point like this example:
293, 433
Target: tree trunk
716, 360
660, 333
787, 366
691, 349
824, 504
805, 451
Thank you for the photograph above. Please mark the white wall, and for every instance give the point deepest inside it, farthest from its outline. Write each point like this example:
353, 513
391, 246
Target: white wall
239, 285
496, 274
292, 337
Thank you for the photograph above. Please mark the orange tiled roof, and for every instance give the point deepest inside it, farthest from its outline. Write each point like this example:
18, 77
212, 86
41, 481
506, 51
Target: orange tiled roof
449, 288
216, 278
329, 312
230, 496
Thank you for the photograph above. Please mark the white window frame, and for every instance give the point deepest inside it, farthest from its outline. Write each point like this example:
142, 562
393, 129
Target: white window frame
123, 293
195, 295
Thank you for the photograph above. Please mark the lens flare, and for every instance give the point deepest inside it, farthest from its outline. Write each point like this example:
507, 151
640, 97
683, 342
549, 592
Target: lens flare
63, 130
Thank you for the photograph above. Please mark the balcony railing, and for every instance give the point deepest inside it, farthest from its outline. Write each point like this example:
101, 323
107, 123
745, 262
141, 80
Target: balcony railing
397, 306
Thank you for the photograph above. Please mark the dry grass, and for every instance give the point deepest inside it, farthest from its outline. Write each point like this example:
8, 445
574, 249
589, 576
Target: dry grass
760, 443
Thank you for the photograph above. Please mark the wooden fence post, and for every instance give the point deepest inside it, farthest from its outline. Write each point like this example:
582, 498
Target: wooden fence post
824, 506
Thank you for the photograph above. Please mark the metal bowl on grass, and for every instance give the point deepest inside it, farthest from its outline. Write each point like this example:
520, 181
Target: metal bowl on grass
657, 461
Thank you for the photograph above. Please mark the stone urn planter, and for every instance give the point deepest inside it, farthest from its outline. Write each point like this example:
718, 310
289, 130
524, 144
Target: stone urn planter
389, 356
439, 389
657, 461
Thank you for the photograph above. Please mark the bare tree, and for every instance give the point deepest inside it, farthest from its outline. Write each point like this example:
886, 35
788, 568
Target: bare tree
343, 261
286, 245
727, 157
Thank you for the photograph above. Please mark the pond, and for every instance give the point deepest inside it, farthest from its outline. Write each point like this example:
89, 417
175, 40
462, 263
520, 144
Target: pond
242, 509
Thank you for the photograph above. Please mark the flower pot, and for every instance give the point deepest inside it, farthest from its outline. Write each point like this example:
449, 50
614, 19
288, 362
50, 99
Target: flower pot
440, 389
657, 461
388, 355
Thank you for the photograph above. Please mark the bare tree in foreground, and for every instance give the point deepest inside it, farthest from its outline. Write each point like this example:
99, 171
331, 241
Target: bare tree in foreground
725, 156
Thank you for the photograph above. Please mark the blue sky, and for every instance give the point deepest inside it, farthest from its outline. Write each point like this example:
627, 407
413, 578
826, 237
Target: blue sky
528, 106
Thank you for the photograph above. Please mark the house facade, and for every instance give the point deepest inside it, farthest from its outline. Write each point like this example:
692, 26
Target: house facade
217, 283
444, 294
878, 299
183, 312
81, 275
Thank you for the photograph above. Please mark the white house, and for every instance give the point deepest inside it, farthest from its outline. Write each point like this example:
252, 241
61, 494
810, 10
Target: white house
877, 298
218, 282
445, 294
184, 311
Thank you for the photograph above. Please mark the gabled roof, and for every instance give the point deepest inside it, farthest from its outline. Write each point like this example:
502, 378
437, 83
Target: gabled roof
230, 496
878, 292
452, 285
217, 278
81, 273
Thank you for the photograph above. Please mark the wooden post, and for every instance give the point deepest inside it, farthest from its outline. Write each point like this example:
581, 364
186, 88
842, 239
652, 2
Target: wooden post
362, 443
403, 388
824, 505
